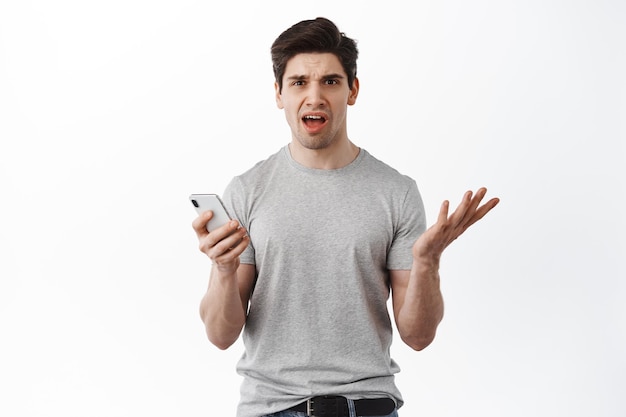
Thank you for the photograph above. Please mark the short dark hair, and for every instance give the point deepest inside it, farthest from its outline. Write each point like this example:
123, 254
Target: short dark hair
318, 35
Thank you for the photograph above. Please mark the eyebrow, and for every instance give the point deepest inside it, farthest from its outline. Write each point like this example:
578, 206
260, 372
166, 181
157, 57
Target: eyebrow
324, 77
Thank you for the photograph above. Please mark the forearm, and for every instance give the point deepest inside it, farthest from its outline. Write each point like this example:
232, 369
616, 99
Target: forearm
222, 309
422, 308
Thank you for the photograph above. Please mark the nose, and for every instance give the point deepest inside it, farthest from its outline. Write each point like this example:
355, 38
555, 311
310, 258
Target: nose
315, 97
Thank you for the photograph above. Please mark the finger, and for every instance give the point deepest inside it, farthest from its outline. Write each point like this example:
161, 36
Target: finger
483, 210
228, 254
200, 222
443, 212
240, 246
224, 244
457, 216
472, 206
225, 230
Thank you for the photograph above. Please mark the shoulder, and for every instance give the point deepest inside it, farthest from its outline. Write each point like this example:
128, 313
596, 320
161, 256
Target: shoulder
258, 170
383, 172
245, 187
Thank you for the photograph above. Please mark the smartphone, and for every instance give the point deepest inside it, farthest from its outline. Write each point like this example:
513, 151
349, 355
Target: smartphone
213, 202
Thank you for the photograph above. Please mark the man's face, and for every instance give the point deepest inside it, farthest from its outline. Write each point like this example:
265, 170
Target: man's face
315, 97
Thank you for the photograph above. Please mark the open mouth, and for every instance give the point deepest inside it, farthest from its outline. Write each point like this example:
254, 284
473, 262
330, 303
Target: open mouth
314, 121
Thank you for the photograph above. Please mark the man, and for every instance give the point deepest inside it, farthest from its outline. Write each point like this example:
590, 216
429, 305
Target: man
323, 233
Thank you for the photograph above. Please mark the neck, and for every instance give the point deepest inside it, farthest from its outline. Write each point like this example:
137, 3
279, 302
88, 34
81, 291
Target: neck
332, 157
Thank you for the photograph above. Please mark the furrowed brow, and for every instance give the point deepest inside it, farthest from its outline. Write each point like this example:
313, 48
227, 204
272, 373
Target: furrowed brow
297, 77
333, 77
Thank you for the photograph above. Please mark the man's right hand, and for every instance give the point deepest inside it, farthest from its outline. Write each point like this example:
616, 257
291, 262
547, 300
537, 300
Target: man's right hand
224, 245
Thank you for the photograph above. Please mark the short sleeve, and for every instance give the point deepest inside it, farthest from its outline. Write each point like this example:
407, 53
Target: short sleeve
235, 200
409, 224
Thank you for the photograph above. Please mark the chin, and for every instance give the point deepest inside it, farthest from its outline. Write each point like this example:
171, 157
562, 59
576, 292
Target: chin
315, 142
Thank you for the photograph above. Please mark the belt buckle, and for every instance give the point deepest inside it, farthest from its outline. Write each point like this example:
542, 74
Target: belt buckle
327, 406
309, 407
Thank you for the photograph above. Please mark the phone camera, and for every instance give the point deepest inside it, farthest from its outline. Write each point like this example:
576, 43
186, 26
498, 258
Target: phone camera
195, 203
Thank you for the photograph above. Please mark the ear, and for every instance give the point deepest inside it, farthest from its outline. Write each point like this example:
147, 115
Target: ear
354, 92
279, 97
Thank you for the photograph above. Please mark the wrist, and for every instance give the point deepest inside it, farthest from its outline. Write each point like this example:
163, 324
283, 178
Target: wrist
426, 263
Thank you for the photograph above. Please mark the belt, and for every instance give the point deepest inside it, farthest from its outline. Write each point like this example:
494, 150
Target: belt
333, 406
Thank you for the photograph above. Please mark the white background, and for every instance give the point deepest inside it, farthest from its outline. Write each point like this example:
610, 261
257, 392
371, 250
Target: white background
111, 113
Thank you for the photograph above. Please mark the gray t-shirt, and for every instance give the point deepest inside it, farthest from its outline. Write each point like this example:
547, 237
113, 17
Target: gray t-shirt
322, 242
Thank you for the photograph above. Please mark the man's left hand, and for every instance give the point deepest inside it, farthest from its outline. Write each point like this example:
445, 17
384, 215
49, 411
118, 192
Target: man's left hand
440, 235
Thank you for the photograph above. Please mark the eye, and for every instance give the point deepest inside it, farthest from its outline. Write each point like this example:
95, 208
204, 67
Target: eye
297, 83
331, 81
